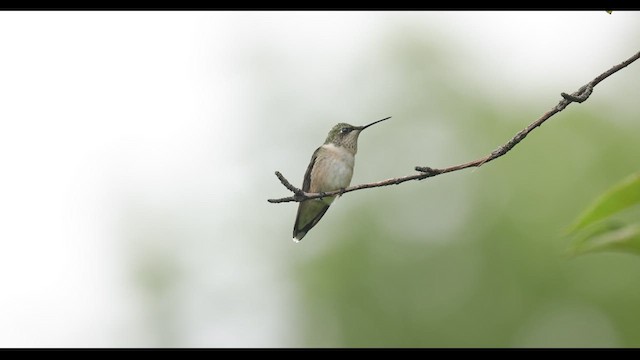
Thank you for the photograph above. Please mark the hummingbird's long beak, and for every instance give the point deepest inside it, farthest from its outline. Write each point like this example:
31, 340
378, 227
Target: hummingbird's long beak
373, 123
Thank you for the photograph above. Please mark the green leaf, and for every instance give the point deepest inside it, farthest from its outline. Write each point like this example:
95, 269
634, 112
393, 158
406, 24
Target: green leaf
618, 198
625, 239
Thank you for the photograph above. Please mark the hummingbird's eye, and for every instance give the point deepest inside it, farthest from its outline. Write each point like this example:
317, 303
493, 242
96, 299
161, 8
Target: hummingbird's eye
344, 130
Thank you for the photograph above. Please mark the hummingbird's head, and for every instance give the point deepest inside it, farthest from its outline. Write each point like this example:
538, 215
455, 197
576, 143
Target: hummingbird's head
346, 135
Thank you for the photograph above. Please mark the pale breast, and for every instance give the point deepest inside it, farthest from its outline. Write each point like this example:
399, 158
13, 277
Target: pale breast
332, 170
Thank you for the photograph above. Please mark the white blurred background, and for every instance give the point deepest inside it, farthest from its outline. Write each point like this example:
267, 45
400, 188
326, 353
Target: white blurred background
138, 151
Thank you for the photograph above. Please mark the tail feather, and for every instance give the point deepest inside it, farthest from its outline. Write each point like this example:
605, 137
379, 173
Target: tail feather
309, 213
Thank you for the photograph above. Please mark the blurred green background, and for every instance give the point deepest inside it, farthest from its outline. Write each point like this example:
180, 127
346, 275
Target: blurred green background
163, 180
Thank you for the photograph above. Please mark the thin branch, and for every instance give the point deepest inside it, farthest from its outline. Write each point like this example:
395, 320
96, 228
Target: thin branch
426, 172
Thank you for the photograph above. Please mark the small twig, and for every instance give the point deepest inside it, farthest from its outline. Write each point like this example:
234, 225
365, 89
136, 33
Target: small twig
287, 184
426, 172
581, 95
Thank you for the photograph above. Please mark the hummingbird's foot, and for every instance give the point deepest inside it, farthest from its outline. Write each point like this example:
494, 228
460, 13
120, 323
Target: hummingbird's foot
340, 193
322, 195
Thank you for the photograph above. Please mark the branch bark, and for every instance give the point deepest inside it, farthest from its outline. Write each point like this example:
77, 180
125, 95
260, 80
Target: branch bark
579, 96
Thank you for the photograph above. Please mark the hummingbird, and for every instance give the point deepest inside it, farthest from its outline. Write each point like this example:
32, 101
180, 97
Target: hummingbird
330, 168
